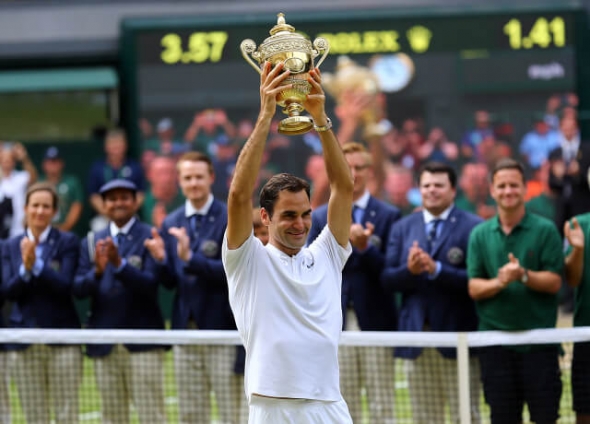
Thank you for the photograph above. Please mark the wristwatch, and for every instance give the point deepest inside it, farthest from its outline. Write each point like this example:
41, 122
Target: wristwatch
525, 277
323, 127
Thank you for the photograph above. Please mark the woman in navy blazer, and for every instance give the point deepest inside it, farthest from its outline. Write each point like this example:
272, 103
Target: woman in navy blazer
38, 269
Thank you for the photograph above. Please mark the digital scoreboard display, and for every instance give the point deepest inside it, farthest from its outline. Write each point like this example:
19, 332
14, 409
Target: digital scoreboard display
436, 68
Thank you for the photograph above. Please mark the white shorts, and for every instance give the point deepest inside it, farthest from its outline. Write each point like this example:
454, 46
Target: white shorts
264, 410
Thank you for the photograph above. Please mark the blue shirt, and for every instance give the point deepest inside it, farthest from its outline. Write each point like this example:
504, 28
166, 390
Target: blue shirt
536, 147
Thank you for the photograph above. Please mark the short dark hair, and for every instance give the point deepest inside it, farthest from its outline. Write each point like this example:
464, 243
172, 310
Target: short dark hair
277, 183
439, 168
195, 157
43, 186
507, 163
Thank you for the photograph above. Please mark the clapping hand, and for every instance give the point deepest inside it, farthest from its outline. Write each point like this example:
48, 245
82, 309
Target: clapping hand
28, 254
574, 234
359, 235
183, 246
511, 271
155, 246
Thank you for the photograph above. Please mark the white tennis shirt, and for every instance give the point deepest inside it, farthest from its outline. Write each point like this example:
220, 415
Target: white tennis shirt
288, 312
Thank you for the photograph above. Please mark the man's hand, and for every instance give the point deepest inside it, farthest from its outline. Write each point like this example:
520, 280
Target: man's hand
28, 254
183, 246
316, 99
100, 257
271, 84
19, 152
354, 103
359, 236
573, 168
511, 271
155, 246
414, 259
574, 233
428, 264
112, 252
558, 168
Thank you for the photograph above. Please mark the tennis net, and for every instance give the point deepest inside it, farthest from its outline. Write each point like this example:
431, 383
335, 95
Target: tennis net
145, 376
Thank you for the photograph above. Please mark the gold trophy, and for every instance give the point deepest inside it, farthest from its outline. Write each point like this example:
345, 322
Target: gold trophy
350, 77
297, 54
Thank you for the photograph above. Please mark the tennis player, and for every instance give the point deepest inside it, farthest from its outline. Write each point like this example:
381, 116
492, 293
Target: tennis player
285, 297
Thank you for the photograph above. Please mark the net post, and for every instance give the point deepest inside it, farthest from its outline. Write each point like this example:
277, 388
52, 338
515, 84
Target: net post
463, 378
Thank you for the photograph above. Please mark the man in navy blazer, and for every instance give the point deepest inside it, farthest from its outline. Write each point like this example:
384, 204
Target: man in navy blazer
190, 249
4, 368
425, 262
365, 305
120, 276
38, 270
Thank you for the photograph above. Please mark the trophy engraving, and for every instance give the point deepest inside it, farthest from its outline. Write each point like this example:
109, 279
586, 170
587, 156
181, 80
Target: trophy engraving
297, 54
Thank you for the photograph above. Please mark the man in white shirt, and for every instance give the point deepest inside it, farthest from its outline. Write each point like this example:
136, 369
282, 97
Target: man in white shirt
286, 298
14, 183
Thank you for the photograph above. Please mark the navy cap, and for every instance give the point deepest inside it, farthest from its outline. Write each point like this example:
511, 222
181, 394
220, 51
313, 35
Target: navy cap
52, 153
118, 184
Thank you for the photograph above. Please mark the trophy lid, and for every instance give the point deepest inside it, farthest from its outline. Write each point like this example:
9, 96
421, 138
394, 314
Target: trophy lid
282, 25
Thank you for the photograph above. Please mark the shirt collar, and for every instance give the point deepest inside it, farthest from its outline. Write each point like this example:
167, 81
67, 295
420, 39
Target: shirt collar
363, 201
428, 217
42, 237
189, 209
125, 229
524, 222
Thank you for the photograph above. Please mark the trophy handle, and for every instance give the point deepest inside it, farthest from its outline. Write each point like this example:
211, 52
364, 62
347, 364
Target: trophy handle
248, 47
322, 46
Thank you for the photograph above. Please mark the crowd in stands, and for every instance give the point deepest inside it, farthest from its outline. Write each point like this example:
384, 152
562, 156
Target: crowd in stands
441, 241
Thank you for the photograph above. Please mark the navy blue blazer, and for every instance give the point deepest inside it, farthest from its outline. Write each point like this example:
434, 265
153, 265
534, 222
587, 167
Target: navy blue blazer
375, 309
201, 284
125, 298
443, 302
45, 301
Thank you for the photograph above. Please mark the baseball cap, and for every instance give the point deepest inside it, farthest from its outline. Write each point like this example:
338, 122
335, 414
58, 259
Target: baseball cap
117, 184
52, 153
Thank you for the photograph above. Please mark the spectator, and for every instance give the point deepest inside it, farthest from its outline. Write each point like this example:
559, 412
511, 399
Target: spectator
14, 183
192, 237
6, 217
399, 184
38, 268
5, 366
365, 306
163, 195
577, 275
437, 148
426, 262
205, 128
224, 163
69, 190
315, 172
543, 203
538, 143
474, 137
568, 174
165, 143
115, 165
514, 262
475, 191
118, 274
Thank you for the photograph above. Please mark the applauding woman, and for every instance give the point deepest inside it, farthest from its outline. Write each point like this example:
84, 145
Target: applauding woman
38, 269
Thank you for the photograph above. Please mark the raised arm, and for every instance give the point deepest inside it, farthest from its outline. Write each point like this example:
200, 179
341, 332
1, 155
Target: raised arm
339, 176
239, 201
